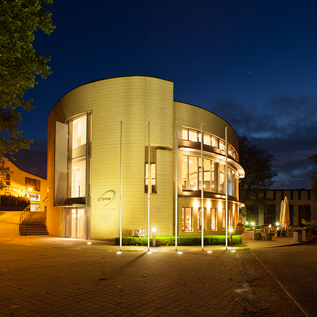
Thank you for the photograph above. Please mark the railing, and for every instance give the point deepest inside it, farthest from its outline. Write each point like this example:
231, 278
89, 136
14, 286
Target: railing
25, 213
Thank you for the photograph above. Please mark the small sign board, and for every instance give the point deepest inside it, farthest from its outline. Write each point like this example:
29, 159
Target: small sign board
142, 233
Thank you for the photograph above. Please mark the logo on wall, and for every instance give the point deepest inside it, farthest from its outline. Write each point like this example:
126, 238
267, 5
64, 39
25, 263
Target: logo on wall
107, 197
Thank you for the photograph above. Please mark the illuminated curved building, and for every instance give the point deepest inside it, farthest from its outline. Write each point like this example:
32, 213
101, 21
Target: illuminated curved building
85, 167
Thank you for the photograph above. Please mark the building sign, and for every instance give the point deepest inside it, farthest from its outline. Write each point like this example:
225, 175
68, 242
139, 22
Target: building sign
107, 197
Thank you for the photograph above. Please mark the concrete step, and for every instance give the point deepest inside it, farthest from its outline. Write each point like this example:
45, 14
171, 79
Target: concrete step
32, 229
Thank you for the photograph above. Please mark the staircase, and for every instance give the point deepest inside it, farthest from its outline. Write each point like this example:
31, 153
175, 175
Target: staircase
33, 224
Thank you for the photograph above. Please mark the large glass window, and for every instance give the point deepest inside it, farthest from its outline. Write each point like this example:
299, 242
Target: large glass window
78, 177
199, 219
221, 188
153, 177
32, 184
213, 218
77, 156
223, 218
192, 171
214, 176
186, 218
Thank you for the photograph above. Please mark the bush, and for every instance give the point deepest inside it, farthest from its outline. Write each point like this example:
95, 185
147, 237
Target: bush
10, 200
181, 241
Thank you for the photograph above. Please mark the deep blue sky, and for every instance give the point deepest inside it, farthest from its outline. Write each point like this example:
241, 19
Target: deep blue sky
251, 62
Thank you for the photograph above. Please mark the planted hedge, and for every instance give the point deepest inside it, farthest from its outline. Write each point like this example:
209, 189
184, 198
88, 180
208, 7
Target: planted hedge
181, 241
10, 200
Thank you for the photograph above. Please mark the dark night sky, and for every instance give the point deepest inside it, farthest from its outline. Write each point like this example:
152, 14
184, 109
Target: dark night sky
251, 62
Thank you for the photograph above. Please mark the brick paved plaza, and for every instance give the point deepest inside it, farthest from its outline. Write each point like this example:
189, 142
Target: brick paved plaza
46, 276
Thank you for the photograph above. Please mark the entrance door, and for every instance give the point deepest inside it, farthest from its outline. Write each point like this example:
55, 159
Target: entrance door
76, 223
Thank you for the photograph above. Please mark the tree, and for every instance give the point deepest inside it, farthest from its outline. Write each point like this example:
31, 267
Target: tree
314, 177
257, 164
19, 66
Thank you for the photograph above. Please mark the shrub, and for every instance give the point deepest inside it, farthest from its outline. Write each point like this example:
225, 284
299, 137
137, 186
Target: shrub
10, 200
181, 241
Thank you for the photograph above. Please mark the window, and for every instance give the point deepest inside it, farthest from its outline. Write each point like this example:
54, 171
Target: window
213, 218
77, 149
32, 184
214, 176
33, 196
214, 142
207, 139
221, 145
308, 194
199, 219
292, 195
153, 177
186, 218
291, 214
299, 195
193, 172
7, 179
185, 134
77, 173
185, 172
221, 188
223, 219
193, 135
304, 212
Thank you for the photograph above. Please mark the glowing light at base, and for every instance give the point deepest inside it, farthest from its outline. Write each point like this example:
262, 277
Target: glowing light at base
179, 252
149, 252
209, 251
88, 242
232, 250
119, 252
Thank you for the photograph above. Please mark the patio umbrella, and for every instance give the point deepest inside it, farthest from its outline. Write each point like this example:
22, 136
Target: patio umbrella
282, 213
287, 219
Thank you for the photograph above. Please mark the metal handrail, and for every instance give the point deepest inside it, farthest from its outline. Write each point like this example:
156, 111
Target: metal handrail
27, 209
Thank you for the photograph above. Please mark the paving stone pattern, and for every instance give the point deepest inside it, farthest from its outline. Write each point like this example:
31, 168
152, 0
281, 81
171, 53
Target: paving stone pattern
91, 281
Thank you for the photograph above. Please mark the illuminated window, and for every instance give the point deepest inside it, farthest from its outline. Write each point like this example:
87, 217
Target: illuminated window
153, 178
221, 145
224, 219
33, 196
213, 218
214, 142
199, 219
77, 149
32, 184
185, 172
193, 172
185, 134
193, 136
207, 139
78, 177
221, 188
186, 218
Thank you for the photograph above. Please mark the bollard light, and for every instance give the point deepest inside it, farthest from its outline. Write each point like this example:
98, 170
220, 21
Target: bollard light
153, 235
230, 235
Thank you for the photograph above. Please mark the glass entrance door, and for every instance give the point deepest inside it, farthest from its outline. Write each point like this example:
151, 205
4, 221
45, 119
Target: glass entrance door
76, 223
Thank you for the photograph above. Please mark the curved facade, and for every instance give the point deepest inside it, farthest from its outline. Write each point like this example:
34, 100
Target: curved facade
84, 166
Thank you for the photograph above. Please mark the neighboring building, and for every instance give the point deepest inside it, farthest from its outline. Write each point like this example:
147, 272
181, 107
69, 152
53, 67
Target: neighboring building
301, 206
23, 183
84, 130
